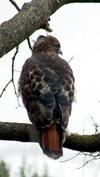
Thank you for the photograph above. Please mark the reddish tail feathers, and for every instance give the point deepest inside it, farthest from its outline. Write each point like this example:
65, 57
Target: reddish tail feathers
51, 141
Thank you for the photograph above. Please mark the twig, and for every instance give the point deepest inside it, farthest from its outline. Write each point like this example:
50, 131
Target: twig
92, 157
13, 60
71, 158
15, 4
18, 9
94, 123
12, 78
13, 82
5, 87
17, 70
85, 163
29, 43
70, 59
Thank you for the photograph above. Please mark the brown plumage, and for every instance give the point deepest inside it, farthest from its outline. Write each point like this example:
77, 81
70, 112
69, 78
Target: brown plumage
46, 85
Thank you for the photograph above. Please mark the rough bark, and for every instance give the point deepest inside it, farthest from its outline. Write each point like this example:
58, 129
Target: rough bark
31, 17
26, 133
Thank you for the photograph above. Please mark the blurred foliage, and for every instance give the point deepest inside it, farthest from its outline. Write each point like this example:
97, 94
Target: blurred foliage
4, 170
22, 172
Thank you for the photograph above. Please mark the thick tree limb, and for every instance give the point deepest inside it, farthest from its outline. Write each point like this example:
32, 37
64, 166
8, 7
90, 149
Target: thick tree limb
31, 17
83, 143
17, 132
26, 133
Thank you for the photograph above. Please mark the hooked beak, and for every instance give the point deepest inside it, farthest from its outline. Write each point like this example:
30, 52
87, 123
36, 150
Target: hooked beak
60, 51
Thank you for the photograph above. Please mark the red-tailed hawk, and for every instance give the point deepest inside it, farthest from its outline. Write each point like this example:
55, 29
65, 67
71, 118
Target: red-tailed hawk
46, 85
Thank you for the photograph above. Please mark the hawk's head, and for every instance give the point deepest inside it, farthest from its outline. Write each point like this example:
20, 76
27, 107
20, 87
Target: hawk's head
47, 44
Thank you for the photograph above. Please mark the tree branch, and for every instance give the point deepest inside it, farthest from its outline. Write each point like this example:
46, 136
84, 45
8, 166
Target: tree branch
30, 18
17, 132
18, 9
26, 133
83, 143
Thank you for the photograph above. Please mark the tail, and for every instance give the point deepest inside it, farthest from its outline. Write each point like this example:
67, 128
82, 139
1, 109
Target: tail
51, 141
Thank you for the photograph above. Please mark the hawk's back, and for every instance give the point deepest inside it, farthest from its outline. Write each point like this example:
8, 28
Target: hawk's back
47, 88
